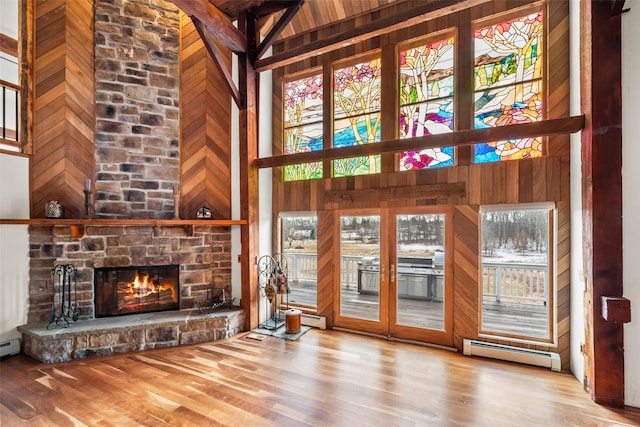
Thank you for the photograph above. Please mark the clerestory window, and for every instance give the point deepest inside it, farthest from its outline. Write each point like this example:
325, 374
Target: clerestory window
508, 76
426, 100
357, 91
508, 88
303, 120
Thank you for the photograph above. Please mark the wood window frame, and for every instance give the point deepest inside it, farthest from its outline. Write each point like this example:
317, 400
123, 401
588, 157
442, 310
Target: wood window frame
552, 317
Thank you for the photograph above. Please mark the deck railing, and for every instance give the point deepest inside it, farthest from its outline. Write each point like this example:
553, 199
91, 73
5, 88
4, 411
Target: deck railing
508, 282
304, 268
515, 282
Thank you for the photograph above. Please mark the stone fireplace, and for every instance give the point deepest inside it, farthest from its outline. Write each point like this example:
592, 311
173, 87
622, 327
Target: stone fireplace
202, 252
199, 257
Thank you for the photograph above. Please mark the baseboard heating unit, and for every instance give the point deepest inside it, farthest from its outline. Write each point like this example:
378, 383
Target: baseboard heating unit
10, 347
545, 359
314, 321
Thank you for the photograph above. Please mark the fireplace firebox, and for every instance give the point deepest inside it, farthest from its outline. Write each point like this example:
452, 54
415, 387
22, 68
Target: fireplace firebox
130, 290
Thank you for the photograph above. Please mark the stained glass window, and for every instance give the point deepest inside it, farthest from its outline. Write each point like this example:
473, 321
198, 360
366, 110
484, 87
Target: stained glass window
508, 75
426, 101
357, 115
303, 125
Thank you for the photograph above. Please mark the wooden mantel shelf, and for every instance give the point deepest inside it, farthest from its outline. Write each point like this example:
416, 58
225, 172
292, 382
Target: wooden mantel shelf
77, 224
116, 222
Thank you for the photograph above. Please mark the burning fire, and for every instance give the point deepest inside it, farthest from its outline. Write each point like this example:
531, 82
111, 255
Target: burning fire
142, 287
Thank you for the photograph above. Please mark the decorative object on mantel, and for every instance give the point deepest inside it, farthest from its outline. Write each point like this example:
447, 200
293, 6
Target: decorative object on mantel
203, 213
66, 309
87, 198
53, 209
209, 304
176, 201
273, 282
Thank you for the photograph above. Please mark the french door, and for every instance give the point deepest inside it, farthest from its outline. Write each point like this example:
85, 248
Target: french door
394, 275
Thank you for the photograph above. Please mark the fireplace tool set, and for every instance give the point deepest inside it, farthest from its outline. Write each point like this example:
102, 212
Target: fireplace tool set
66, 310
273, 282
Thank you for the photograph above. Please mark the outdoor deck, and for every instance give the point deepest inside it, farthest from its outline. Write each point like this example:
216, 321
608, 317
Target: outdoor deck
517, 318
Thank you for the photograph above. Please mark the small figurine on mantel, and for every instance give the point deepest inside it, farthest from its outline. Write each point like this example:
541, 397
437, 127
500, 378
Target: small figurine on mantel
204, 213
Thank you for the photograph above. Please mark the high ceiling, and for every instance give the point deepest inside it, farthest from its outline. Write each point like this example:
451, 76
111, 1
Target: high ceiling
312, 14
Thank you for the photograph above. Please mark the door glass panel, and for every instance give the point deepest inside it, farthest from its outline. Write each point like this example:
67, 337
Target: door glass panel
516, 291
419, 269
360, 267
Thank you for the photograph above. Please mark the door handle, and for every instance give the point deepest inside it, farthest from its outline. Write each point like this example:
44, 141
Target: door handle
393, 273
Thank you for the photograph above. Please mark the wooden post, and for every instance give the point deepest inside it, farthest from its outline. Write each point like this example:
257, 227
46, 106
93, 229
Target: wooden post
26, 63
249, 208
601, 84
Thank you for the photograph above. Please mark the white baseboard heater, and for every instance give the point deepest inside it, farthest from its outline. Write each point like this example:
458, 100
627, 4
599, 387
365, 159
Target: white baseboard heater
313, 320
10, 347
545, 359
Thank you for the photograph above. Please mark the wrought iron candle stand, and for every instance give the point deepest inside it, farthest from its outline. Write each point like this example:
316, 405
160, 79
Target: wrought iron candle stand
273, 282
66, 310
87, 199
87, 204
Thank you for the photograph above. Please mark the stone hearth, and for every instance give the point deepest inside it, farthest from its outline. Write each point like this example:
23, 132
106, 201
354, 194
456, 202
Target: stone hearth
114, 335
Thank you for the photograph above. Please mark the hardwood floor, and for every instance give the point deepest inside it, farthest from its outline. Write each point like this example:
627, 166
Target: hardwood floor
326, 378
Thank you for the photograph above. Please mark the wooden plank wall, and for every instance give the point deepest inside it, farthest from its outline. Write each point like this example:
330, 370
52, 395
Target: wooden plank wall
466, 273
526, 181
63, 154
205, 115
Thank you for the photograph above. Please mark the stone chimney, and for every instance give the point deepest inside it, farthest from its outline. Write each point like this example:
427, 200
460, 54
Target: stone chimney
137, 45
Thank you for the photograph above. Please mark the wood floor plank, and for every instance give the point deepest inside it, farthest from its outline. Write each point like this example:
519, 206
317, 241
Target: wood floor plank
325, 378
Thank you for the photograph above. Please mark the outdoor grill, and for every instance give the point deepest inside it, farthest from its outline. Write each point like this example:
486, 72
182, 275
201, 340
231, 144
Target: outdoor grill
418, 278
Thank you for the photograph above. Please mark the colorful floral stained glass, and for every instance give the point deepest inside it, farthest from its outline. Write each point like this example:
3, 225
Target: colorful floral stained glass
426, 101
357, 90
508, 75
303, 125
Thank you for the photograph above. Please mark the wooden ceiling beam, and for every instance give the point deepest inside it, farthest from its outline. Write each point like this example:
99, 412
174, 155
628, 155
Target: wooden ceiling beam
277, 28
218, 59
215, 22
454, 139
8, 45
270, 7
423, 12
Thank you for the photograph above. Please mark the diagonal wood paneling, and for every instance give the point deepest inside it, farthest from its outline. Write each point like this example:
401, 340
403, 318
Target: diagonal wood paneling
466, 273
325, 264
64, 116
205, 109
563, 282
